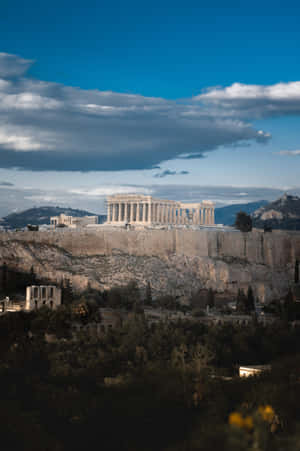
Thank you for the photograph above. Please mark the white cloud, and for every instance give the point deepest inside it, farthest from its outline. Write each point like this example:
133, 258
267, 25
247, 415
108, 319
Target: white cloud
289, 152
110, 190
239, 91
255, 100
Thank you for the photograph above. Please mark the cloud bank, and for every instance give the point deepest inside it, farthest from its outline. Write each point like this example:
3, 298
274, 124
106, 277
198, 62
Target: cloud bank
49, 126
93, 198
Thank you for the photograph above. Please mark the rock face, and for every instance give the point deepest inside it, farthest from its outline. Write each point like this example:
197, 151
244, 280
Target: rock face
178, 262
284, 213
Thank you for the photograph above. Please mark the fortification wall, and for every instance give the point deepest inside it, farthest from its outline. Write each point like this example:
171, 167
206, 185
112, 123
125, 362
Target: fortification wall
173, 261
278, 248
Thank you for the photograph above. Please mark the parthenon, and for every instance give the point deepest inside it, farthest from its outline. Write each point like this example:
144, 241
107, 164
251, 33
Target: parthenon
149, 211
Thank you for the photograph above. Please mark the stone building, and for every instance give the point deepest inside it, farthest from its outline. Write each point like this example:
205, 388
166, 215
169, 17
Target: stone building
149, 211
39, 295
72, 221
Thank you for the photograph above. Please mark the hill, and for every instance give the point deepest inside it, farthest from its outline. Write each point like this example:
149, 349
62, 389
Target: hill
41, 215
283, 213
226, 215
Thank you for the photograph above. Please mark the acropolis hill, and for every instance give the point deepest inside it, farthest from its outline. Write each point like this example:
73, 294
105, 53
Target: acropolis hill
176, 261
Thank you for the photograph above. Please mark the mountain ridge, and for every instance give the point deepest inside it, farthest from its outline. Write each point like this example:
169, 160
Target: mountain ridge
283, 213
41, 215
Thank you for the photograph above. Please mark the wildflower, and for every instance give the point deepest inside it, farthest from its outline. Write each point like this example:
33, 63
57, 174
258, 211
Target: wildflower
236, 419
248, 423
267, 413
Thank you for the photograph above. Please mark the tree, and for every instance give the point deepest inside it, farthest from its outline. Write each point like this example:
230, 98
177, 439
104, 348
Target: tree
67, 292
243, 222
241, 302
148, 294
250, 305
4, 278
288, 306
297, 271
210, 298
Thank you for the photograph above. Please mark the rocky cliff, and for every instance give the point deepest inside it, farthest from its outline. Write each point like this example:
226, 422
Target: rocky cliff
174, 261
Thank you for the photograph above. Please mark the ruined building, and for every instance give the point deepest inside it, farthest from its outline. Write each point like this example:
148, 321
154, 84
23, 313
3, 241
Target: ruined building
149, 211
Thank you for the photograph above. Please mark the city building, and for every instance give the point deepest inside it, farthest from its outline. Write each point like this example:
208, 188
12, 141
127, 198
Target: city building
253, 370
42, 295
148, 211
72, 221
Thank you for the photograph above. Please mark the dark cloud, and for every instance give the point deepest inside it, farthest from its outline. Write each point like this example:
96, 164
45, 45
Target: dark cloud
167, 172
6, 184
48, 126
12, 65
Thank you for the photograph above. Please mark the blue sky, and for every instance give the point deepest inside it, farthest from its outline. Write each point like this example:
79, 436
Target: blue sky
138, 110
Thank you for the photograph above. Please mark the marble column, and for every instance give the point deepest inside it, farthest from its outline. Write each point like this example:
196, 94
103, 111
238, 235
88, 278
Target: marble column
113, 212
213, 215
131, 211
108, 212
144, 211
150, 207
119, 212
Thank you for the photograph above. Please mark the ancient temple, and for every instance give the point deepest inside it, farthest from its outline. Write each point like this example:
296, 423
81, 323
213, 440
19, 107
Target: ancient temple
149, 211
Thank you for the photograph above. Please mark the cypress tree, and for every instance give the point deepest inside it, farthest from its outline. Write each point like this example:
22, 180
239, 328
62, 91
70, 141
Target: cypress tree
148, 294
250, 306
297, 271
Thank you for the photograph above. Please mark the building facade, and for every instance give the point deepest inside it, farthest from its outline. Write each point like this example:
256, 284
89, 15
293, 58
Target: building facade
42, 295
72, 221
149, 211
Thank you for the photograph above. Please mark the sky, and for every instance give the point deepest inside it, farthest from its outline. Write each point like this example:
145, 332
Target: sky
181, 100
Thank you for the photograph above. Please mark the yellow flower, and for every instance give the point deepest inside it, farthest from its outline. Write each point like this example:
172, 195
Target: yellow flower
236, 419
248, 423
267, 413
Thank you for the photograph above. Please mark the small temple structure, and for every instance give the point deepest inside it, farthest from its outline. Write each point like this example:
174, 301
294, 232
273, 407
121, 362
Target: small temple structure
143, 210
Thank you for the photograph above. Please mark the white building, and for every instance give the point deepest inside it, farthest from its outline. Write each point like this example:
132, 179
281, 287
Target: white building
138, 209
42, 295
253, 370
72, 221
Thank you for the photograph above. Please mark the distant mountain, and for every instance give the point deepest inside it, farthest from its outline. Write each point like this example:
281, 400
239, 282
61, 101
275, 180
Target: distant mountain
41, 215
226, 215
283, 213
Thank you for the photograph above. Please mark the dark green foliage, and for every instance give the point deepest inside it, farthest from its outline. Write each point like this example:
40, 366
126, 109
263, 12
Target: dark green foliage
296, 279
148, 298
124, 297
250, 305
142, 387
241, 302
243, 222
289, 307
245, 303
211, 298
13, 282
67, 297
